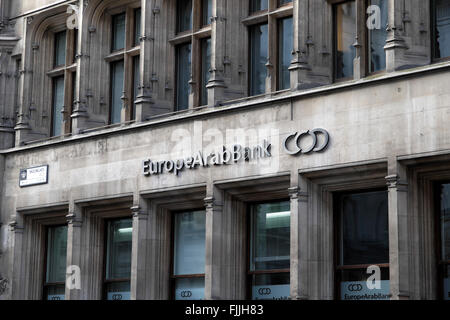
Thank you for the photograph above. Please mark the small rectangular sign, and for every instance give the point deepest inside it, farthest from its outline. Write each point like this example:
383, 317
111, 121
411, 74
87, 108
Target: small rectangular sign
447, 289
33, 176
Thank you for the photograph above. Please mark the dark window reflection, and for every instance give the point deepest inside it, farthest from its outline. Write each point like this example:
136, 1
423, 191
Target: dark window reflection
258, 5
270, 241
285, 47
206, 65
377, 39
184, 15
364, 228
118, 22
444, 258
258, 58
442, 28
345, 33
183, 75
206, 12
55, 276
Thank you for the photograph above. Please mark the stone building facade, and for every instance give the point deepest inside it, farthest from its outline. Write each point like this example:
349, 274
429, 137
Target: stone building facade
224, 149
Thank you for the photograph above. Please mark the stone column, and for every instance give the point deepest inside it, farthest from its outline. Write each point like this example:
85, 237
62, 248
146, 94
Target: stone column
80, 114
395, 44
16, 266
138, 251
299, 64
216, 83
74, 251
399, 249
144, 101
214, 286
298, 194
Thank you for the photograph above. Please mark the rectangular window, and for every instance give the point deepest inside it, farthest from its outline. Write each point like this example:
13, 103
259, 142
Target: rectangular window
189, 255
118, 259
345, 35
444, 240
270, 250
183, 76
58, 105
259, 53
60, 49
285, 47
206, 12
117, 74
184, 15
441, 29
377, 39
206, 65
55, 269
136, 75
137, 26
258, 5
363, 241
118, 32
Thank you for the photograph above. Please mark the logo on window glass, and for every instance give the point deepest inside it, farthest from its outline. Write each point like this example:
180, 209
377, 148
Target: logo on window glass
264, 291
186, 294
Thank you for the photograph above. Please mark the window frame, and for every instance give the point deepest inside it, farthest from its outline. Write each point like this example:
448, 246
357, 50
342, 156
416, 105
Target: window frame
104, 281
127, 54
440, 263
337, 232
172, 276
248, 272
46, 284
68, 71
195, 37
433, 43
271, 17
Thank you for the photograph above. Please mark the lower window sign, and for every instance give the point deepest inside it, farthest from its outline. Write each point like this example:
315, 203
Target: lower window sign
118, 295
359, 290
272, 292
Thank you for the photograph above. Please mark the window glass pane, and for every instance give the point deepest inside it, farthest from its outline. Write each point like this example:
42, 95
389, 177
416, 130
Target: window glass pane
345, 19
137, 26
58, 105
446, 285
75, 45
56, 254
207, 12
189, 243
442, 29
118, 22
353, 285
60, 48
118, 254
270, 236
136, 71
118, 291
285, 47
117, 69
55, 292
184, 15
273, 286
445, 222
282, 2
190, 289
258, 5
364, 233
206, 65
183, 75
259, 47
377, 39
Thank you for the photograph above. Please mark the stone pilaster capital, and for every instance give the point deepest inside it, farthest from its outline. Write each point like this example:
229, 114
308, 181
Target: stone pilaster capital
395, 182
73, 219
15, 227
137, 212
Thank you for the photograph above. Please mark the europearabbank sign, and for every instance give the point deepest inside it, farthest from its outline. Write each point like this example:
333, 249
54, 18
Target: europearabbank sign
292, 145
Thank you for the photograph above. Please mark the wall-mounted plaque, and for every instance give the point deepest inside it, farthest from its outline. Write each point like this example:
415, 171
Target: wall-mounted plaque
33, 176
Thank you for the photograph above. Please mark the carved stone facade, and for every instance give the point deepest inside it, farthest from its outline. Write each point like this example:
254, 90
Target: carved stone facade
388, 131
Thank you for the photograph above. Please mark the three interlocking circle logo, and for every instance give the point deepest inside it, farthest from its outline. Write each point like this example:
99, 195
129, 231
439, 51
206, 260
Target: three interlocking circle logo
56, 298
117, 296
355, 287
297, 137
186, 294
264, 291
